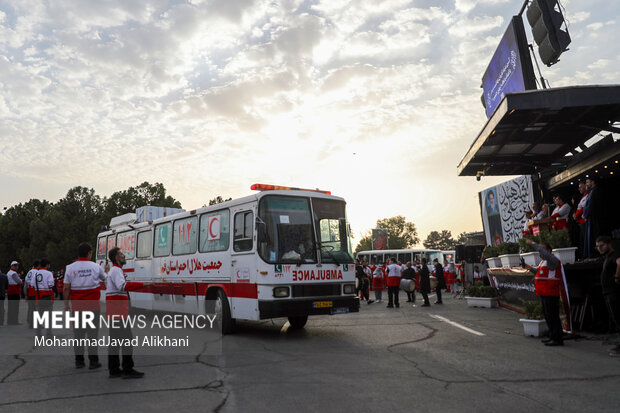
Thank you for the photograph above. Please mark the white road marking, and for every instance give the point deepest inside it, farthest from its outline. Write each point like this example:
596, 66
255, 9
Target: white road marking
462, 327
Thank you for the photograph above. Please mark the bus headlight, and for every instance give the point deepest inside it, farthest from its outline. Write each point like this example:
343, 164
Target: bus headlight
281, 292
348, 289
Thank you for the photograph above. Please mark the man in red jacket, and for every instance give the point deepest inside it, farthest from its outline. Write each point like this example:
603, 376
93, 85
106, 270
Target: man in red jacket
547, 287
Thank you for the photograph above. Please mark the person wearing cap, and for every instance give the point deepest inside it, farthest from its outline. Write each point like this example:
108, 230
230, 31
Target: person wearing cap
13, 293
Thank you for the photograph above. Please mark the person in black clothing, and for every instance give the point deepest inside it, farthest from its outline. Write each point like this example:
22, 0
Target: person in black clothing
610, 283
409, 274
4, 284
441, 281
425, 283
593, 214
363, 283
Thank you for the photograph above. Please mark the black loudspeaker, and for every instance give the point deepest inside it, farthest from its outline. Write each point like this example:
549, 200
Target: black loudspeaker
469, 253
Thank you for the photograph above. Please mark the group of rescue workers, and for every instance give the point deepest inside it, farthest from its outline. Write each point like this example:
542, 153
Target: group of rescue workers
392, 273
81, 290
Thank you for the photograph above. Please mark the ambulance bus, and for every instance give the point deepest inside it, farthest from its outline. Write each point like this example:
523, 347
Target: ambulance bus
282, 252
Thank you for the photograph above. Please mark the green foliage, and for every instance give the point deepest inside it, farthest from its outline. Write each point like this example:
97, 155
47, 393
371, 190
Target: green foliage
491, 252
525, 247
365, 244
473, 291
41, 229
478, 289
218, 200
533, 310
559, 239
508, 248
440, 240
401, 234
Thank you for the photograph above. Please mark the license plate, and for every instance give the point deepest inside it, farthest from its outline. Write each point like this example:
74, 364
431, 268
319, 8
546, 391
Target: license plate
340, 310
322, 304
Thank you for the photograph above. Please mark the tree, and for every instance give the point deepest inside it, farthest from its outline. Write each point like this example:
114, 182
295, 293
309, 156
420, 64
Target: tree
401, 234
218, 200
439, 241
462, 239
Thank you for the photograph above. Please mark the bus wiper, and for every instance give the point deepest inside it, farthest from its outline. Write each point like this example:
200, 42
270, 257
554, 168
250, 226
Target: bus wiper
332, 256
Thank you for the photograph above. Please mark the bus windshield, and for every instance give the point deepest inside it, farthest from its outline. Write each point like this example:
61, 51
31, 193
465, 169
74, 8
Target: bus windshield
331, 227
286, 233
285, 230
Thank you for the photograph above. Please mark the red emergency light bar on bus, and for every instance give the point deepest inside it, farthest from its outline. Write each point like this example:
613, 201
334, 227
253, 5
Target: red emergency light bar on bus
263, 187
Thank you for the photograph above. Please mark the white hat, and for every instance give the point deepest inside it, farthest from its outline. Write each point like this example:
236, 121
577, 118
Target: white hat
14, 263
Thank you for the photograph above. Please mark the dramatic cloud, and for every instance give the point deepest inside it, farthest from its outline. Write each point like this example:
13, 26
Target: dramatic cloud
209, 96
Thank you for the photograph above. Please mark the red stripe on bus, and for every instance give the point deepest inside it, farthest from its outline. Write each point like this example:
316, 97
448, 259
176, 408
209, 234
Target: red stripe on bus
200, 289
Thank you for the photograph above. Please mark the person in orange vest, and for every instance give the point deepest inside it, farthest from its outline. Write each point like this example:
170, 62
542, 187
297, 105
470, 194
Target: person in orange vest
14, 293
30, 296
547, 287
393, 283
42, 283
117, 306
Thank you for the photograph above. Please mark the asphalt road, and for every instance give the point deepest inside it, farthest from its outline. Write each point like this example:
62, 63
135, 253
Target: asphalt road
447, 358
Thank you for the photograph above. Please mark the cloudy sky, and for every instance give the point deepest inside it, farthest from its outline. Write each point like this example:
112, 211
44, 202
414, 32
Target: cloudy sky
377, 101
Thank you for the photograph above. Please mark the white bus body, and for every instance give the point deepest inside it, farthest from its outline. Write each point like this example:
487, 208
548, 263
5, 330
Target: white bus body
277, 253
403, 255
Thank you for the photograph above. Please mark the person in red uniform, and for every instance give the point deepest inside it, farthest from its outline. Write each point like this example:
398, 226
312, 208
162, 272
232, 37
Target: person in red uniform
378, 283
560, 213
30, 296
393, 283
42, 283
82, 291
117, 306
547, 287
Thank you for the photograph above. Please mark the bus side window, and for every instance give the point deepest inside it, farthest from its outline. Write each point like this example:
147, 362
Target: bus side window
162, 241
243, 231
145, 244
185, 236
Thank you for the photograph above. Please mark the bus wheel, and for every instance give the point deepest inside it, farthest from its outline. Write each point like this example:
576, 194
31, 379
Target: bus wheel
298, 321
223, 318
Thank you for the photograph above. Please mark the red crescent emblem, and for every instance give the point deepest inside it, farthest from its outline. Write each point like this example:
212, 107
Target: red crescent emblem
211, 234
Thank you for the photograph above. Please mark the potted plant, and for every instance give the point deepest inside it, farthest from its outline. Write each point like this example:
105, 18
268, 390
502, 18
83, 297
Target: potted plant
560, 243
479, 295
491, 254
528, 253
534, 324
509, 254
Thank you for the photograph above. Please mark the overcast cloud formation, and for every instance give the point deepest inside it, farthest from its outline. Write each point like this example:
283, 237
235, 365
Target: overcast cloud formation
375, 100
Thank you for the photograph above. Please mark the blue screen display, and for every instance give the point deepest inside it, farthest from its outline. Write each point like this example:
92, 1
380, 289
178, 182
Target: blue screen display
504, 74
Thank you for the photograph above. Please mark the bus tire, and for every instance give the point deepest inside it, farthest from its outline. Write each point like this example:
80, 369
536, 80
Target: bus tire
298, 322
221, 308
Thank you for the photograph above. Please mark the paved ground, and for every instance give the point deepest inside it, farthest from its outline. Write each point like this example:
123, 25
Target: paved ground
407, 359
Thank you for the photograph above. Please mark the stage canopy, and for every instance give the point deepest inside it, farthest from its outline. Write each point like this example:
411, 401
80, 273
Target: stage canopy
532, 132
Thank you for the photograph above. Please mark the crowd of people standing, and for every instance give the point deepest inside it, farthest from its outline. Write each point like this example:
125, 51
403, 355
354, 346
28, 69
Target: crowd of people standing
388, 276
